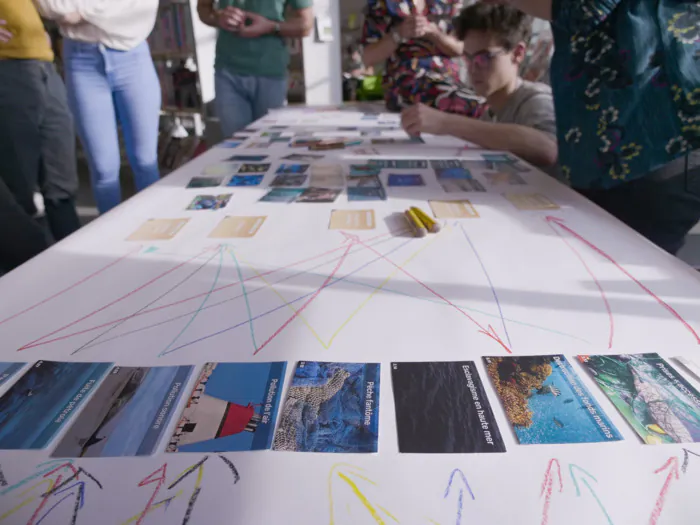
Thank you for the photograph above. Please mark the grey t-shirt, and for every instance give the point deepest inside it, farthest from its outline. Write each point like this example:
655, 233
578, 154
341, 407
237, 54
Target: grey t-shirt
531, 105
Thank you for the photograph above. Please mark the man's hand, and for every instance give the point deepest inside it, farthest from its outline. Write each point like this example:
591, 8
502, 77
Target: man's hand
230, 19
5, 35
256, 26
423, 119
71, 19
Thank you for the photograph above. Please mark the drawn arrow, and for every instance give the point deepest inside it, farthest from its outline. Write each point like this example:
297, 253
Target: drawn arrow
672, 466
583, 474
552, 221
686, 459
548, 487
560, 222
460, 500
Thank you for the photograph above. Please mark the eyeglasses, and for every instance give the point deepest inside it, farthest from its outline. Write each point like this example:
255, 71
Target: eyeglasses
482, 59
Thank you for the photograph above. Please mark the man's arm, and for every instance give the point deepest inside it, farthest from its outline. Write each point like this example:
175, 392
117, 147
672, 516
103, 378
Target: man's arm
446, 43
530, 144
535, 146
300, 24
229, 19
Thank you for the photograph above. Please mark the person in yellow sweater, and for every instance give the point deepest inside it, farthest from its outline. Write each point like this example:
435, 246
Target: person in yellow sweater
37, 138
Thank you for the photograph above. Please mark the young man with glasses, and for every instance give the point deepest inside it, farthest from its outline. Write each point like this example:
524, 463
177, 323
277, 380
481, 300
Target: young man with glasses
520, 118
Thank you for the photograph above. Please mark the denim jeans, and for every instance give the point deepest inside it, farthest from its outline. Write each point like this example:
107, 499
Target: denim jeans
37, 150
242, 99
106, 86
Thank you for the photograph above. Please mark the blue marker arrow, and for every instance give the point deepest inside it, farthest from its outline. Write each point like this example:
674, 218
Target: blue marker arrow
590, 489
460, 499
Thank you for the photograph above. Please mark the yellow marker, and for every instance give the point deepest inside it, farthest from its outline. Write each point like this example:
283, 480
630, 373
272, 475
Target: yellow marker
427, 220
418, 226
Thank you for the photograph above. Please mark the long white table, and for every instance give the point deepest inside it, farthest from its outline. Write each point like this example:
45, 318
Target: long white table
571, 280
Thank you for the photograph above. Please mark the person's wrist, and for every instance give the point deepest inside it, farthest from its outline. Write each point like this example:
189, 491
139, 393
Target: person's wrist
270, 27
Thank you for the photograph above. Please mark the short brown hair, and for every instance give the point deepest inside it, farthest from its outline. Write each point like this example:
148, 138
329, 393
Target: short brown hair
510, 25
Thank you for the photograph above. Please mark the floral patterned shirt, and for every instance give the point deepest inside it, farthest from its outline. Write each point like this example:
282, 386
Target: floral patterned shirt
419, 71
626, 81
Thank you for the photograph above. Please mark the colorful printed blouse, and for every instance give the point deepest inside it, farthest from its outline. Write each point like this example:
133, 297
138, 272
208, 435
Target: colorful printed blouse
419, 71
626, 81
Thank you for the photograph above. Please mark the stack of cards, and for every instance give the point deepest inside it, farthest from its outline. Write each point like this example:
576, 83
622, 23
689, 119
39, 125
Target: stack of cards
319, 195
286, 195
450, 169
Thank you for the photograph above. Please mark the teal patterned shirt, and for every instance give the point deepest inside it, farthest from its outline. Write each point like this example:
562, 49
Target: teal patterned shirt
626, 82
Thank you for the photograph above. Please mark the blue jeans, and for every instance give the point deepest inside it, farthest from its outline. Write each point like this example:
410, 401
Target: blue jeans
242, 99
106, 86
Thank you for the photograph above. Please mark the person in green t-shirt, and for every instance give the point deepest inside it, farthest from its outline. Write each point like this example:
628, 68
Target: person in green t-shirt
251, 55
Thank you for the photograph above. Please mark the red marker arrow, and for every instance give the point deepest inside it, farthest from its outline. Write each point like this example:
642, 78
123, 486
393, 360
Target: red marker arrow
560, 222
672, 466
548, 487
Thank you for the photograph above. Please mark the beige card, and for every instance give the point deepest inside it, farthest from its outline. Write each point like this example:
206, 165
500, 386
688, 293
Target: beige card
326, 176
453, 209
531, 201
158, 230
352, 220
233, 227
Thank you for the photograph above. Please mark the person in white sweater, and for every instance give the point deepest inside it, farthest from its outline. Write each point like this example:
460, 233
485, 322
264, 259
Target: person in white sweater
110, 78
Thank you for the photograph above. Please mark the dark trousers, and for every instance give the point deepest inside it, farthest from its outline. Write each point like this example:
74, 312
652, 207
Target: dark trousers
37, 149
662, 208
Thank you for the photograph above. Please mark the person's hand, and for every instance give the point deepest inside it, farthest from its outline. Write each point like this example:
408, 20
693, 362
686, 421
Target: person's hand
256, 25
71, 19
423, 119
5, 35
230, 19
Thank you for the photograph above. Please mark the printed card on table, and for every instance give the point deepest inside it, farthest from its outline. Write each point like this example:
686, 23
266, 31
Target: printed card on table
363, 170
319, 195
224, 169
441, 408
158, 230
209, 202
531, 201
501, 178
41, 403
288, 181
453, 209
546, 402
245, 180
461, 185
233, 407
205, 182
405, 179
128, 413
248, 158
251, 168
352, 220
366, 194
659, 404
331, 407
282, 195
237, 227
8, 370
402, 164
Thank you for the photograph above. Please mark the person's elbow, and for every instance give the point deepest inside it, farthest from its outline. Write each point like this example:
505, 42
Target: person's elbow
307, 23
547, 155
